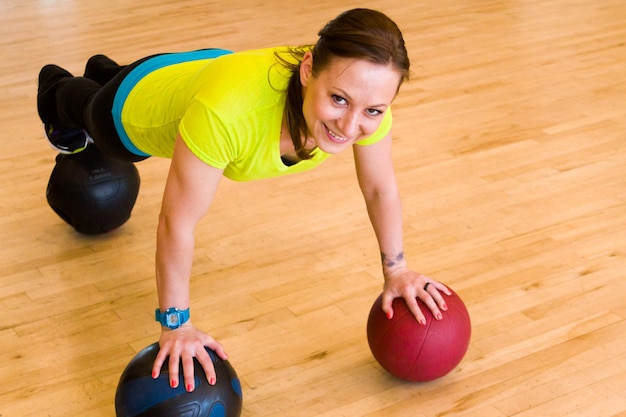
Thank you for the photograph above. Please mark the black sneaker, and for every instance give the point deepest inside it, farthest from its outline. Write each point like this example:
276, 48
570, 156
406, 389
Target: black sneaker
50, 77
67, 140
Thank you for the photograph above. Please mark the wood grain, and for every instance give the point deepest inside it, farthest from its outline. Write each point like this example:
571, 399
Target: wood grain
510, 150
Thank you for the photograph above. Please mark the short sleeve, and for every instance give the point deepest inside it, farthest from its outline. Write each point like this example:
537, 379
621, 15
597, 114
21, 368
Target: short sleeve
382, 131
206, 136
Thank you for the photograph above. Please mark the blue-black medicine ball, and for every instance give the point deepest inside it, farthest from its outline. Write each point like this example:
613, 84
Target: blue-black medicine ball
139, 395
91, 191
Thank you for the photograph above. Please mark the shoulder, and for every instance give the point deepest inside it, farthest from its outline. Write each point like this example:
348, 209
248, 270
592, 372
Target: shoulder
382, 131
239, 64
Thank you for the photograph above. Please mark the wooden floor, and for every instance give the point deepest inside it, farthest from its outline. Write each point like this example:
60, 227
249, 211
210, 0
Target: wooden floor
511, 155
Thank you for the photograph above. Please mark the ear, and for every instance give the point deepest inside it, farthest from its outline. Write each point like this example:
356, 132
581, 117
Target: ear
306, 68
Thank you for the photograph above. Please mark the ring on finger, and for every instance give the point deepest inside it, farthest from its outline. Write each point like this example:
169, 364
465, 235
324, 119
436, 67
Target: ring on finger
426, 286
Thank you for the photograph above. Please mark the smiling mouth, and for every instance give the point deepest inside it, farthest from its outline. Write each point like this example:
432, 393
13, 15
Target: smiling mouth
334, 137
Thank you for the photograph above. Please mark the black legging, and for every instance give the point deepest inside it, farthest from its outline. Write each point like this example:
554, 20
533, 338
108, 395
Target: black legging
86, 103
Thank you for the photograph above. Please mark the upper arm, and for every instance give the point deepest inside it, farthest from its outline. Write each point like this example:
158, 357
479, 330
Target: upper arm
190, 187
374, 168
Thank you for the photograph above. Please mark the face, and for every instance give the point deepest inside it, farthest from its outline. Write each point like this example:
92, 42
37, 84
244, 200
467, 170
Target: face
346, 101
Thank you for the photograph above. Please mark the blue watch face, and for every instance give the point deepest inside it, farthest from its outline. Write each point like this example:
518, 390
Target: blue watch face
172, 319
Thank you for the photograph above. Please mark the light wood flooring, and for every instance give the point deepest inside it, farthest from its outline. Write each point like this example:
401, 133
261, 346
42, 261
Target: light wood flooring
510, 150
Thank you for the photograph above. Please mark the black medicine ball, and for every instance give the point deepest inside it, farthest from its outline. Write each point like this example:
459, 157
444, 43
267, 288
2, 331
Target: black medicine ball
91, 191
139, 395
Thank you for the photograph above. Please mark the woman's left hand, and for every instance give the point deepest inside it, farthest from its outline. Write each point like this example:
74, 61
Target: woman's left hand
410, 285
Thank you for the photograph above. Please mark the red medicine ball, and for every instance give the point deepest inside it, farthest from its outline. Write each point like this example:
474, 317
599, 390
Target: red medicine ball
416, 352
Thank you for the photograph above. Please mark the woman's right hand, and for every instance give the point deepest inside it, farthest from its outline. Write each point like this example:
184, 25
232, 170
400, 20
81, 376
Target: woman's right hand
182, 345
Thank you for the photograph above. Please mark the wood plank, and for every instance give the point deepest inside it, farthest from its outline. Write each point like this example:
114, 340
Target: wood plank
510, 155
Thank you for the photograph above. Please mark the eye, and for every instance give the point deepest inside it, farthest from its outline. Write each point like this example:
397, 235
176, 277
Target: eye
339, 100
373, 112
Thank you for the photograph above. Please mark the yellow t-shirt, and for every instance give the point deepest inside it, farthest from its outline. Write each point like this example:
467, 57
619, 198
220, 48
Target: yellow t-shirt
228, 109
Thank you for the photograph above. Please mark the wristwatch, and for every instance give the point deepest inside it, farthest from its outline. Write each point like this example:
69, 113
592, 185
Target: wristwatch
172, 318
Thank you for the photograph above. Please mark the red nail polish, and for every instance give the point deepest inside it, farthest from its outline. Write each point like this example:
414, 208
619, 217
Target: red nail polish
154, 375
438, 316
212, 381
173, 384
189, 387
445, 307
389, 315
423, 322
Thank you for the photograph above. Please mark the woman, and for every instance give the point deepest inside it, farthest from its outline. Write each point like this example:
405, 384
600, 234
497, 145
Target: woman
246, 116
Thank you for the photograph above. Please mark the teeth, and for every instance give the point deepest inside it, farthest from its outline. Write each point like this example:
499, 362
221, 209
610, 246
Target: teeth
334, 135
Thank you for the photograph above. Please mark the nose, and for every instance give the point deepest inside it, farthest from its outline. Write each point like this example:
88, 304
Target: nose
350, 124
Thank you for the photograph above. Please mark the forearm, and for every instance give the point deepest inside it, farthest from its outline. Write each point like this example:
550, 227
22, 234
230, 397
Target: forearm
174, 258
380, 191
385, 213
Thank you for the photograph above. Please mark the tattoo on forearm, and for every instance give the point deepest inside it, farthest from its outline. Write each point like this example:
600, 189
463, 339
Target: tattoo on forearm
391, 260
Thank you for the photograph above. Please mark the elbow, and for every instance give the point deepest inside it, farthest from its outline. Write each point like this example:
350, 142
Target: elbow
169, 225
380, 194
164, 226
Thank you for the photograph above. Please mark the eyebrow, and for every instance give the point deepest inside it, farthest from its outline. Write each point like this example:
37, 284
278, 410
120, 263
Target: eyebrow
345, 95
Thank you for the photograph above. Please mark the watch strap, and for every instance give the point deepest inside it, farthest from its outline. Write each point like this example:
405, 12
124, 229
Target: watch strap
172, 318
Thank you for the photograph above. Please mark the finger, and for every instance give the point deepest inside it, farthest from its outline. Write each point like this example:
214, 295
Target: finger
188, 373
217, 348
426, 295
158, 363
432, 289
387, 303
415, 309
174, 369
442, 288
439, 300
207, 364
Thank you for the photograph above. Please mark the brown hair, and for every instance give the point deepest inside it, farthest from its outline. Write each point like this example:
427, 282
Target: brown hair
357, 33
